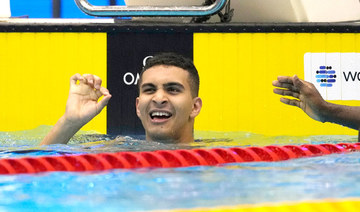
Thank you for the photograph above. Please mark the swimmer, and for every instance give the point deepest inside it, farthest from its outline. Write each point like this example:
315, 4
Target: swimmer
308, 98
167, 104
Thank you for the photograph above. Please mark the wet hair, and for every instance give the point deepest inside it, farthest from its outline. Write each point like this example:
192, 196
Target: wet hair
173, 59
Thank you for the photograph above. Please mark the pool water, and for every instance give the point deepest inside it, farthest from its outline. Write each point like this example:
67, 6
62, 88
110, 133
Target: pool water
304, 179
331, 176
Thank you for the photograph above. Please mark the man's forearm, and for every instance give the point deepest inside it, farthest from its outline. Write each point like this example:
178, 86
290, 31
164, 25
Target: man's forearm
61, 132
348, 116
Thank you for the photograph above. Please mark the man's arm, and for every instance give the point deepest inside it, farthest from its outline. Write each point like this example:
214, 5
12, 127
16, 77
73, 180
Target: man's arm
307, 97
82, 106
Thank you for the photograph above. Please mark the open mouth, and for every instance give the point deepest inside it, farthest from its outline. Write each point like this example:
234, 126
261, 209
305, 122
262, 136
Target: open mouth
160, 115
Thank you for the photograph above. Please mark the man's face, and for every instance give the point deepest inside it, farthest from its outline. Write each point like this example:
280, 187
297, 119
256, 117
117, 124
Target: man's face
165, 105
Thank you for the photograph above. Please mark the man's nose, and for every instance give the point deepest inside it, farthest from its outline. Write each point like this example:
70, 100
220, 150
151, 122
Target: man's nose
160, 97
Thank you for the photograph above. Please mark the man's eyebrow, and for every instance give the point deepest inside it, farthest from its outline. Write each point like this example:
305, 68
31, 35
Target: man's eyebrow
169, 84
147, 85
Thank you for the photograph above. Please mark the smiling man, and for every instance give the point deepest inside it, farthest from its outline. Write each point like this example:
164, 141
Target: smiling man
168, 99
167, 104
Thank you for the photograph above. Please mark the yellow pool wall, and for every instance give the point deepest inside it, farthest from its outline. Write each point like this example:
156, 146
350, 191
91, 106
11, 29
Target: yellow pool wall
236, 71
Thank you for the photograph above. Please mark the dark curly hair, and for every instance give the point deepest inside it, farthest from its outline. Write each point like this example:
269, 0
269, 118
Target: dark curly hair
173, 59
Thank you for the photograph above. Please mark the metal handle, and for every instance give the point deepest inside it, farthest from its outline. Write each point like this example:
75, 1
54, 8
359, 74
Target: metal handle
121, 11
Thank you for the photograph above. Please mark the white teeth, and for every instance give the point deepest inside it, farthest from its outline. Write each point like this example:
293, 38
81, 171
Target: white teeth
160, 114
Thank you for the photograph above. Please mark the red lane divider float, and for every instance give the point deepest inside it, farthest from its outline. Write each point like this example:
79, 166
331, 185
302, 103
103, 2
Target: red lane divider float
168, 158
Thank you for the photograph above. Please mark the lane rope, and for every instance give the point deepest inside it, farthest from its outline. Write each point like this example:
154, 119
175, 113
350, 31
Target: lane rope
168, 158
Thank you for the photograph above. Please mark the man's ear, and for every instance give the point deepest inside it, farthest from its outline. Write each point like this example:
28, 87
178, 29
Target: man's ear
197, 105
137, 107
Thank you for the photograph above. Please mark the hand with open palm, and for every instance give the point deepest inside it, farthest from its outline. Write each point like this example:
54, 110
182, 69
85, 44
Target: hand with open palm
306, 96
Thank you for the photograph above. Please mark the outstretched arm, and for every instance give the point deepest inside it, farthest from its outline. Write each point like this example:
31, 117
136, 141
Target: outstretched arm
307, 97
82, 106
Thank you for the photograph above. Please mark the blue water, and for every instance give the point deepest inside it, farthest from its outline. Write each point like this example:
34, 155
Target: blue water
330, 176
